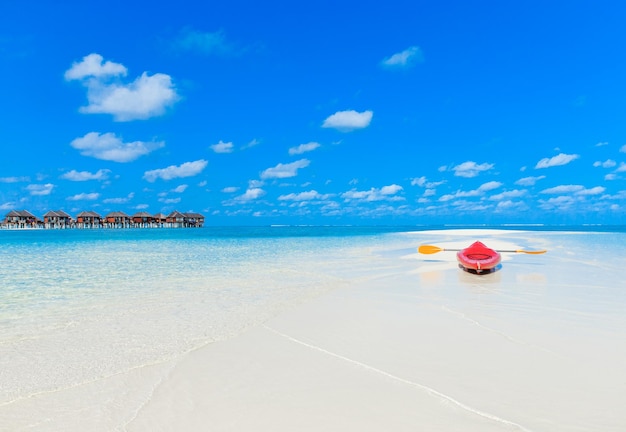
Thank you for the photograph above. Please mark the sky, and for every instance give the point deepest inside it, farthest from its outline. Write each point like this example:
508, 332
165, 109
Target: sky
325, 112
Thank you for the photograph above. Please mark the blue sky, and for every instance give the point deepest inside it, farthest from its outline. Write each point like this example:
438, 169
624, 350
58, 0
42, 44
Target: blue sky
329, 112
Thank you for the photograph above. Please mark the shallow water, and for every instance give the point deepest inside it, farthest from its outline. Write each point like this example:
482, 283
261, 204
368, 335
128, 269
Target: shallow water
77, 306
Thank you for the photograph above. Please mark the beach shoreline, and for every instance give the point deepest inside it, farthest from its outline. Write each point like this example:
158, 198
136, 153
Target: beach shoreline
411, 342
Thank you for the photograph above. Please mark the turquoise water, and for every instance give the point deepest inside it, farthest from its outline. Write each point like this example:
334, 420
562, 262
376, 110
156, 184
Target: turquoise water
80, 305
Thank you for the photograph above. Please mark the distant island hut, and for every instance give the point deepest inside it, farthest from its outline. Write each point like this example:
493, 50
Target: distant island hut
160, 219
57, 219
194, 220
21, 219
143, 219
88, 219
175, 219
117, 219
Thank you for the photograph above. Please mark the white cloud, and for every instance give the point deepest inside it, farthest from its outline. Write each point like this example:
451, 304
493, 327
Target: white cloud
391, 189
516, 193
563, 189
423, 182
180, 189
223, 147
560, 159
509, 205
303, 148
251, 194
592, 191
147, 96
405, 58
8, 206
123, 200
529, 181
485, 187
489, 186
109, 147
187, 169
230, 189
471, 169
285, 170
14, 179
346, 121
84, 197
384, 193
623, 149
621, 168
74, 175
304, 196
169, 200
92, 66
609, 163
40, 189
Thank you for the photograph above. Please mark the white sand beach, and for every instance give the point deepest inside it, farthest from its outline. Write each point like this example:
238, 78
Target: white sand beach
412, 343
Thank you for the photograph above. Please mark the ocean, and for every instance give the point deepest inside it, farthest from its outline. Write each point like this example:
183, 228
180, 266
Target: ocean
82, 305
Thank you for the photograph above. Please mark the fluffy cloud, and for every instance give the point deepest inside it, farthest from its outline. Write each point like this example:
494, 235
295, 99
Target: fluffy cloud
109, 147
84, 197
180, 189
563, 189
560, 159
485, 187
623, 149
147, 96
123, 200
74, 175
92, 66
405, 58
40, 189
574, 189
251, 194
471, 169
188, 169
285, 170
305, 196
223, 147
346, 121
529, 181
374, 194
516, 193
609, 163
303, 148
14, 179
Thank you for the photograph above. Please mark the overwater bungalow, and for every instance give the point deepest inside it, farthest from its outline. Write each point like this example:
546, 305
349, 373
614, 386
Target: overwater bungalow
117, 219
88, 219
57, 219
143, 219
21, 219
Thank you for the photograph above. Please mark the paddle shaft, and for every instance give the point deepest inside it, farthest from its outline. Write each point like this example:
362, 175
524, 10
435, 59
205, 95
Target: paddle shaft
429, 249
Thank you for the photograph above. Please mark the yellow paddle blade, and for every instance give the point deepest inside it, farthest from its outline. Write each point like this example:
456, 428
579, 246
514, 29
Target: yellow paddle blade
537, 252
429, 249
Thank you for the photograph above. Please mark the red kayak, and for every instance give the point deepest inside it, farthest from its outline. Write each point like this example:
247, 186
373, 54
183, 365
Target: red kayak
478, 257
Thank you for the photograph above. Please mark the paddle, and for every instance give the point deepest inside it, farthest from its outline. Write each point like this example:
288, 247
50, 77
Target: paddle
430, 249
